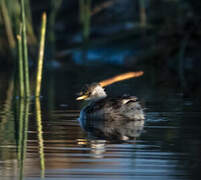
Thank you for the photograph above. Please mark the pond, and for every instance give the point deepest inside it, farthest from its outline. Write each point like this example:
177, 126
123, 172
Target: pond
43, 139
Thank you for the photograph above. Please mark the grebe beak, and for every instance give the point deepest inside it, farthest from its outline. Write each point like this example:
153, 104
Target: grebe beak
81, 97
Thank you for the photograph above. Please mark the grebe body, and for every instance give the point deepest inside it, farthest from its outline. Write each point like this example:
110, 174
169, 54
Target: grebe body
102, 107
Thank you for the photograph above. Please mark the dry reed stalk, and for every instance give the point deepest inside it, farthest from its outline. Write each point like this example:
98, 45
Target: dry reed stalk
121, 77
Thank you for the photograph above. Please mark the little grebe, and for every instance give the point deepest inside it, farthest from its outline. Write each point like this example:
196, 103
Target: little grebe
102, 107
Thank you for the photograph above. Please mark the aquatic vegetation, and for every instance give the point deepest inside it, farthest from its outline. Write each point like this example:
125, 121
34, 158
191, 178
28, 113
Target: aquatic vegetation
25, 50
85, 17
20, 65
10, 17
41, 55
23, 67
143, 15
86, 24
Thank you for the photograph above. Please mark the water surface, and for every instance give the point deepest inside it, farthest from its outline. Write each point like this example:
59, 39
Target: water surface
44, 140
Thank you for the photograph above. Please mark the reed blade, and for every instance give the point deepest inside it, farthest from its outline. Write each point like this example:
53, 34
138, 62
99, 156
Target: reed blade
121, 77
41, 55
20, 65
25, 50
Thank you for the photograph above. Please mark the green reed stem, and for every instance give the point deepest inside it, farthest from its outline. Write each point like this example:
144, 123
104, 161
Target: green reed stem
85, 17
20, 65
143, 15
41, 55
55, 5
8, 25
87, 22
25, 50
30, 29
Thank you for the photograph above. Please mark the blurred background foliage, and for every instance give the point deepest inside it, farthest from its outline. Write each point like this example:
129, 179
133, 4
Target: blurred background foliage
163, 36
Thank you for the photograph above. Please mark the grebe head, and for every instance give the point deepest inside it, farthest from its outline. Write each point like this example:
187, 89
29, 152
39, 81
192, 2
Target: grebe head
92, 92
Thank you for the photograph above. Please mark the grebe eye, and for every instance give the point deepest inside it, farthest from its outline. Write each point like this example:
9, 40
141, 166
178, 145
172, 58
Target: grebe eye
89, 93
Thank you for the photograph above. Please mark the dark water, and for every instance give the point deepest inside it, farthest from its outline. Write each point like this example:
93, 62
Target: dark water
44, 140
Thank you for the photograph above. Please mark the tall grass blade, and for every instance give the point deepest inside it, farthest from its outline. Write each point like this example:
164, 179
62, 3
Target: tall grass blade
85, 18
25, 50
41, 55
55, 5
8, 26
20, 64
29, 24
143, 15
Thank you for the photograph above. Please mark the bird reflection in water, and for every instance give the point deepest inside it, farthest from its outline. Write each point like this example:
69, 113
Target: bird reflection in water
101, 130
111, 129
